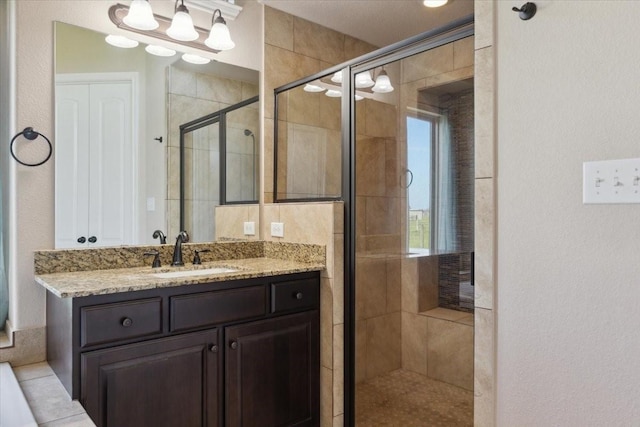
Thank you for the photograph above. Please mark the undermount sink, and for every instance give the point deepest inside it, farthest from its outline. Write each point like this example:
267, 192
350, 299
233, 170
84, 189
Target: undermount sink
190, 273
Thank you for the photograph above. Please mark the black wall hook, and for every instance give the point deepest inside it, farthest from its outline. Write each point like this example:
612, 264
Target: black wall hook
159, 139
527, 11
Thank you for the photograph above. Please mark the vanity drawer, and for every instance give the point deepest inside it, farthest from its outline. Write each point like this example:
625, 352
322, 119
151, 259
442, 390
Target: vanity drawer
216, 307
119, 321
295, 295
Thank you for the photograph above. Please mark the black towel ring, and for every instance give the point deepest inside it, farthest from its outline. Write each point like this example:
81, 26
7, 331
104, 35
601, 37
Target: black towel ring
30, 134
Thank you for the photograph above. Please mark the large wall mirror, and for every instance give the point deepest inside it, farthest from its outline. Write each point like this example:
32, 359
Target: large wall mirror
118, 114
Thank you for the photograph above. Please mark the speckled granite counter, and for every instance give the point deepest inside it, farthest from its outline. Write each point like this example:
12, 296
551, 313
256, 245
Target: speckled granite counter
85, 272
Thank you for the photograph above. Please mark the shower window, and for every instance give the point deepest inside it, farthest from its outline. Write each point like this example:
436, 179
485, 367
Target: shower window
421, 132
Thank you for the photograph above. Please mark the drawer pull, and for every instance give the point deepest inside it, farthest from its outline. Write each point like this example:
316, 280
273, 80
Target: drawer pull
213, 348
233, 345
298, 295
126, 322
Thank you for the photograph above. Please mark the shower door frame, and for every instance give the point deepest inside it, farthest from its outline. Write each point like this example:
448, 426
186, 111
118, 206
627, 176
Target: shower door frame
449, 33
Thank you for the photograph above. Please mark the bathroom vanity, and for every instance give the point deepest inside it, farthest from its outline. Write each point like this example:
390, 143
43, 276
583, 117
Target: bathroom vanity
240, 350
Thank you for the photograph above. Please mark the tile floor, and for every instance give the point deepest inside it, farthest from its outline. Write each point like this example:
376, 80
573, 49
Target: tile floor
49, 401
407, 399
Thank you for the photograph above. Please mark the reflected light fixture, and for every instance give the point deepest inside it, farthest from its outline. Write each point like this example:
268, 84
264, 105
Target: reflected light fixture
364, 79
120, 41
140, 16
182, 25
337, 77
383, 84
358, 97
195, 59
157, 50
313, 88
333, 93
219, 37
434, 3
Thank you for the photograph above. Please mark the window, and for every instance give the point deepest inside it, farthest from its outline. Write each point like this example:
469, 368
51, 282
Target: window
421, 133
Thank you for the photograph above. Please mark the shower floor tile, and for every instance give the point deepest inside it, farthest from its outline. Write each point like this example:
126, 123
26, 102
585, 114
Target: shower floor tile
407, 399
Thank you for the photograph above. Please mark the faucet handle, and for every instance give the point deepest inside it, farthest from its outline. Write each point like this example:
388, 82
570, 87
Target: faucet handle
196, 257
156, 258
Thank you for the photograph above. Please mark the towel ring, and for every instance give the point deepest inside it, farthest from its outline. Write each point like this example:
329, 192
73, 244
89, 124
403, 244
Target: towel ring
30, 134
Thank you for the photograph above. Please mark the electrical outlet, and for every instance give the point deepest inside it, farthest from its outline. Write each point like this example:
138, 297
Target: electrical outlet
250, 228
277, 229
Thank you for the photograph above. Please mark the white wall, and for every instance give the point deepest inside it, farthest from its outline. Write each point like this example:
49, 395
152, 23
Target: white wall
34, 203
568, 323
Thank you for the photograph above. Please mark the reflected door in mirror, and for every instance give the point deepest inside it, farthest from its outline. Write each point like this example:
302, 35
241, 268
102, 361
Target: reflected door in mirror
94, 163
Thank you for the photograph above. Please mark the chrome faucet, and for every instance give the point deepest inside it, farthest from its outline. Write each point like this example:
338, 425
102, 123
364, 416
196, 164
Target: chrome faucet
183, 237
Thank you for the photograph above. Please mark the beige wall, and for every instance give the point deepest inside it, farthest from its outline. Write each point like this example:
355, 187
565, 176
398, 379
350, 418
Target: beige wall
568, 273
32, 204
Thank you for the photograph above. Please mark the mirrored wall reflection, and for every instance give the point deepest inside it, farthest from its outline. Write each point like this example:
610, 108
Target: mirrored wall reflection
218, 166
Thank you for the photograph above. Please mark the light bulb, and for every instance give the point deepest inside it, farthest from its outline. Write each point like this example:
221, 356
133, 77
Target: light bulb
140, 16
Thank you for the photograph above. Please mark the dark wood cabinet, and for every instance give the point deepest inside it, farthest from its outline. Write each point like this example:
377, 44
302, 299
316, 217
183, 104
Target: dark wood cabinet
236, 353
166, 382
270, 372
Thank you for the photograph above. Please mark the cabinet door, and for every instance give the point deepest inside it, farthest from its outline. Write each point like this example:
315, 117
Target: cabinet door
272, 372
166, 382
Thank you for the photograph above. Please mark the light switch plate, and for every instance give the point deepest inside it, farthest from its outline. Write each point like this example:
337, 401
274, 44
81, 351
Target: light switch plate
250, 228
151, 204
277, 229
611, 181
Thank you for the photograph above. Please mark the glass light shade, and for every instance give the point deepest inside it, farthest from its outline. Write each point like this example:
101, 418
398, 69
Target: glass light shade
182, 27
333, 93
219, 37
313, 88
156, 50
195, 59
383, 84
120, 41
337, 77
140, 16
358, 97
434, 3
364, 79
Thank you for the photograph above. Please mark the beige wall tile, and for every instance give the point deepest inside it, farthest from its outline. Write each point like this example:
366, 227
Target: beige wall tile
338, 279
463, 53
308, 223
316, 41
326, 397
278, 28
450, 352
484, 101
394, 285
338, 217
484, 243
409, 277
370, 162
484, 23
338, 369
384, 351
29, 346
429, 63
338, 421
427, 283
484, 154
414, 343
217, 89
267, 160
361, 351
250, 90
382, 215
230, 220
392, 168
484, 391
381, 119
449, 77
326, 323
182, 82
354, 47
304, 107
270, 213
330, 114
371, 287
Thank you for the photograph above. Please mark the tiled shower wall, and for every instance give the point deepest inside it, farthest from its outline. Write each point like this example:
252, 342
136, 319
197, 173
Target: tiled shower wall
190, 96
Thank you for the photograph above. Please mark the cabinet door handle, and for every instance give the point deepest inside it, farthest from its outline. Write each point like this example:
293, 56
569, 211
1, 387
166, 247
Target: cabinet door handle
82, 239
213, 348
233, 345
126, 322
93, 239
298, 295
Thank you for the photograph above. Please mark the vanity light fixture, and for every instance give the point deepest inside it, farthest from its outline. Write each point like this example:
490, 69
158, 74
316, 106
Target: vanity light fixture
332, 93
140, 16
383, 84
158, 50
182, 25
195, 59
309, 87
219, 37
120, 41
434, 3
358, 97
337, 77
364, 79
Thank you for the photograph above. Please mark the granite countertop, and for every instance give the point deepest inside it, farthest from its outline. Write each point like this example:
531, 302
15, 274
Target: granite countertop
100, 282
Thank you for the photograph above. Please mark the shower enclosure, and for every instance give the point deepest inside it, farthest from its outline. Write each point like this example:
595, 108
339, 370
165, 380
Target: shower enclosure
401, 120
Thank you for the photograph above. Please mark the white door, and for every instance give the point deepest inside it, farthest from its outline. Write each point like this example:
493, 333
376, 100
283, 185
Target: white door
95, 165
